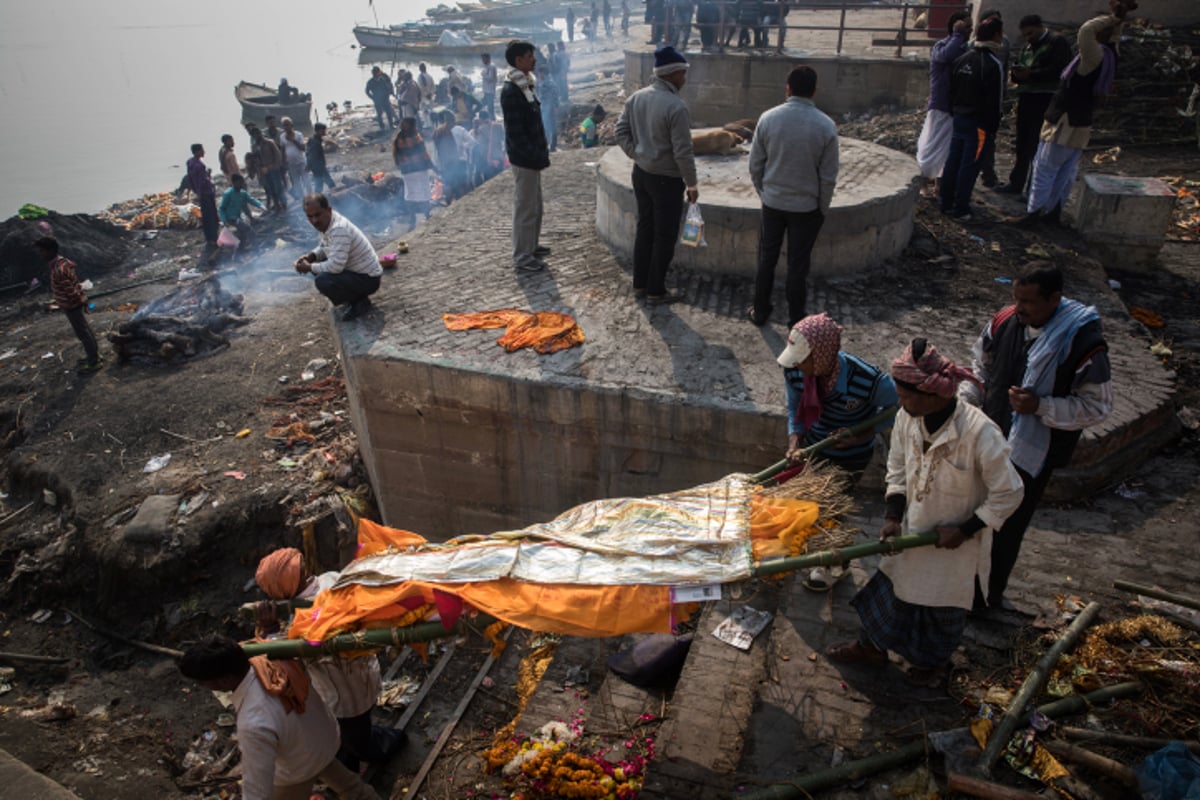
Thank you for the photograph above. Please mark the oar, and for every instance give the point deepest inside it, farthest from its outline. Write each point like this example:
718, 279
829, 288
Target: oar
829, 441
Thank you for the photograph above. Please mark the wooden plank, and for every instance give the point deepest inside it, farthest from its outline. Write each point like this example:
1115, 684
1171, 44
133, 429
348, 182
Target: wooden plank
451, 725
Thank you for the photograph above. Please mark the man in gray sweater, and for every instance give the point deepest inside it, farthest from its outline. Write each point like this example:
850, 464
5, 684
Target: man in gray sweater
655, 130
794, 167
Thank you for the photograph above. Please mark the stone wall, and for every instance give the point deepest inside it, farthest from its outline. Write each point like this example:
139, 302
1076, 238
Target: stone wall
722, 87
478, 452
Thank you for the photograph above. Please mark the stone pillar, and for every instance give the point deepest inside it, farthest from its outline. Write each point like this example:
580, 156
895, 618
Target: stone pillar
1125, 219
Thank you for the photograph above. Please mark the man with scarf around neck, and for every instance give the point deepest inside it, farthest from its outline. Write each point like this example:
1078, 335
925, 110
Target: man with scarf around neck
933, 145
829, 391
655, 130
287, 737
976, 101
528, 153
1043, 366
1068, 124
948, 471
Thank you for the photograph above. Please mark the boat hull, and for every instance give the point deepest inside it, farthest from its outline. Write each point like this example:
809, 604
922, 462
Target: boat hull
259, 101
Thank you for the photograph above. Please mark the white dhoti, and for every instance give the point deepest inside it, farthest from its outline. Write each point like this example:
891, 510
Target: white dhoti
417, 186
934, 143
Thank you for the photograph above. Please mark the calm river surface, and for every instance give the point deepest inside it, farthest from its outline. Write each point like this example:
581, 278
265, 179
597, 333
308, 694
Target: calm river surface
103, 100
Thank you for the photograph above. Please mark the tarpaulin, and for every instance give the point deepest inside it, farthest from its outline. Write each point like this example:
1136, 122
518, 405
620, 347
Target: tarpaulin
603, 568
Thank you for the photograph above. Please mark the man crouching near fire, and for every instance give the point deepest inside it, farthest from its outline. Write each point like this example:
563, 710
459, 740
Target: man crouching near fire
949, 471
345, 264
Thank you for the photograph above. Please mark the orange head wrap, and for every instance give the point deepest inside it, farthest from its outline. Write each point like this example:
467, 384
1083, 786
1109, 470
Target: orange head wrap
280, 573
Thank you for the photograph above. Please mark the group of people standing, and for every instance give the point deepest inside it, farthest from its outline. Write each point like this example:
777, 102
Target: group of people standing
717, 21
1056, 98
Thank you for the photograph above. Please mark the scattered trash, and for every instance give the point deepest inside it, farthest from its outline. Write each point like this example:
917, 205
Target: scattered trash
1108, 156
41, 615
47, 355
242, 434
9, 353
740, 627
995, 247
1189, 418
1161, 350
190, 505
1129, 493
226, 720
236, 474
287, 463
87, 286
399, 692
1037, 251
313, 367
1171, 773
1113, 283
49, 498
157, 462
283, 378
6, 678
188, 274
1003, 280
1147, 317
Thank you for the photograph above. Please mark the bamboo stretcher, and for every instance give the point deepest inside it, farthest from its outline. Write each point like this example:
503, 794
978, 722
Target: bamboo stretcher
427, 631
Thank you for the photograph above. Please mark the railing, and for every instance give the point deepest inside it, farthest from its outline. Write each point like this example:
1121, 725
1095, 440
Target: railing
718, 21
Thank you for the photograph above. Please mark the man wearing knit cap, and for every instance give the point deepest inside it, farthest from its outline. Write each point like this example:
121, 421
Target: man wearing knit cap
655, 130
948, 471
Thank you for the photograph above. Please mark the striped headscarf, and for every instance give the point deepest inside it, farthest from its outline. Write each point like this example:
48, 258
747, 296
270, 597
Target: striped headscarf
926, 370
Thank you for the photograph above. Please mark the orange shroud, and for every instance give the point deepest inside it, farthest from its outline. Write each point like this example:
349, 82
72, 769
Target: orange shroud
777, 526
544, 331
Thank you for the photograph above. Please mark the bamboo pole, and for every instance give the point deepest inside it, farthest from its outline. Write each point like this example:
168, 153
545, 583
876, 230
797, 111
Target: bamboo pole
840, 555
362, 640
804, 785
1093, 761
828, 441
1124, 740
152, 648
1076, 703
977, 787
1158, 594
1033, 684
26, 658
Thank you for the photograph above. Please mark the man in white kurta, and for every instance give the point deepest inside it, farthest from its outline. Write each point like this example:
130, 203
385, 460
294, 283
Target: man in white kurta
949, 471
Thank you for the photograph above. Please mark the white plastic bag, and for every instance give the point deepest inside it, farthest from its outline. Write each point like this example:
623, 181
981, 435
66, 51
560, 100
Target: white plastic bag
693, 228
227, 238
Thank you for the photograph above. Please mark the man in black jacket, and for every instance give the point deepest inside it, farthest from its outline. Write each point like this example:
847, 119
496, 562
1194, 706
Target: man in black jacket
1036, 75
976, 96
525, 141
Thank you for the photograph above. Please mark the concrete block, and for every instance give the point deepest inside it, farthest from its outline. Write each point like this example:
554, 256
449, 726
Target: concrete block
1125, 219
152, 523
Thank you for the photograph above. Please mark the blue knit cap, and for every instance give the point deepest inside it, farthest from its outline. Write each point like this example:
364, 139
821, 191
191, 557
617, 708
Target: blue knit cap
668, 60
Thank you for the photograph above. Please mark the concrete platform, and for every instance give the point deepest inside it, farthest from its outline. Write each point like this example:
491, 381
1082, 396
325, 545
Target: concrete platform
869, 221
20, 780
460, 437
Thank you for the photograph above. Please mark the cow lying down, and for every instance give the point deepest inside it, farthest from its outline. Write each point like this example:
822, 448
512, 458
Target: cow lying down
716, 143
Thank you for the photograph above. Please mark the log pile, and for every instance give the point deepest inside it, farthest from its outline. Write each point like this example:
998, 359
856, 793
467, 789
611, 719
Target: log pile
186, 323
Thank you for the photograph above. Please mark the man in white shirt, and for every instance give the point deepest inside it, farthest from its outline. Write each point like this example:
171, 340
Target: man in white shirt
948, 471
287, 740
292, 143
345, 264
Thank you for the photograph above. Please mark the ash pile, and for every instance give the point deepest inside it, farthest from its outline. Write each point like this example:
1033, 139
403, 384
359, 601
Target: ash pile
187, 323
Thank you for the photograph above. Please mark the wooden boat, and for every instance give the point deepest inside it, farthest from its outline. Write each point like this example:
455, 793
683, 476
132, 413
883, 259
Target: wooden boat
417, 43
258, 101
500, 13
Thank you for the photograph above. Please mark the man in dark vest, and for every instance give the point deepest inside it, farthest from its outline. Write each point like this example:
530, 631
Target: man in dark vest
1068, 124
976, 100
1043, 365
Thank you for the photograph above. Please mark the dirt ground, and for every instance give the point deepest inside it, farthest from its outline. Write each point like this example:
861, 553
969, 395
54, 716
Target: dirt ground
115, 721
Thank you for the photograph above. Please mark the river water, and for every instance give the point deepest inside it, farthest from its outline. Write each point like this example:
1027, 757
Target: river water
103, 100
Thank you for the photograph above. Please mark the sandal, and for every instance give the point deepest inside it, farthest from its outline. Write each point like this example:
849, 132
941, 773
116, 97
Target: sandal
819, 580
756, 318
856, 653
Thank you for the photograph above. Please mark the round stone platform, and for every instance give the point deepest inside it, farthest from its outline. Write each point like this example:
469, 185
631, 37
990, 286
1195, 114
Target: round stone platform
870, 220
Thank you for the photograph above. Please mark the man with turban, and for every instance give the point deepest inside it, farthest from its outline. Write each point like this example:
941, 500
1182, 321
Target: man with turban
948, 471
829, 391
348, 686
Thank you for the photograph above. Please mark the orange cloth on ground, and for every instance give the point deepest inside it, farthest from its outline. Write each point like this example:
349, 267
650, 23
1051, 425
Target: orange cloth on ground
544, 331
567, 609
280, 572
285, 679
